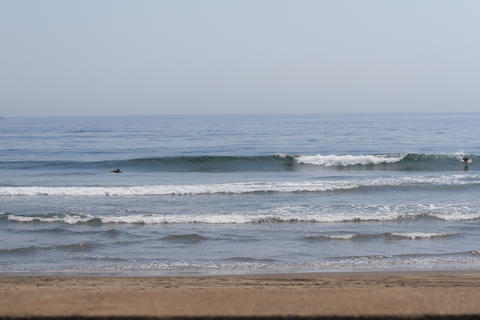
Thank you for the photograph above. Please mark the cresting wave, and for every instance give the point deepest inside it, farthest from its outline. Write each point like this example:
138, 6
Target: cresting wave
31, 249
393, 162
369, 236
348, 160
207, 163
198, 189
247, 218
242, 187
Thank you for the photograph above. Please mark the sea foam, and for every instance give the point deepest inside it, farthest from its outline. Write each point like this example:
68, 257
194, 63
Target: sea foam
278, 216
237, 187
347, 160
419, 235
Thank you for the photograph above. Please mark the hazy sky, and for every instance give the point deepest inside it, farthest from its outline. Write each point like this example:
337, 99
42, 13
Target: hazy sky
153, 57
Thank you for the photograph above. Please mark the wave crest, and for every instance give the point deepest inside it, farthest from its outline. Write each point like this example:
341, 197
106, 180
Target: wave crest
369, 236
419, 235
240, 187
347, 160
280, 215
278, 162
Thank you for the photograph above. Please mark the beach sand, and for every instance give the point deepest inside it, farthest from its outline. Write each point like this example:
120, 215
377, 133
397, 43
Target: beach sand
343, 294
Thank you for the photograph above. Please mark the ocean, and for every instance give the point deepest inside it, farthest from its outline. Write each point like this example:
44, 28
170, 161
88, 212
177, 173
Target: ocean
239, 194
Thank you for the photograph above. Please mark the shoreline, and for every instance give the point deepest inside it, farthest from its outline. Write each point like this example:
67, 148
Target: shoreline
244, 275
356, 294
280, 274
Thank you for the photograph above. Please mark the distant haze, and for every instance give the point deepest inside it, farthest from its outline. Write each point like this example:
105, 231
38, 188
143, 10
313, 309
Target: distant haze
162, 57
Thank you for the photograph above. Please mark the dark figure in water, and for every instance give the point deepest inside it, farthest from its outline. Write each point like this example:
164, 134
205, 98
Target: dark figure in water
116, 171
466, 160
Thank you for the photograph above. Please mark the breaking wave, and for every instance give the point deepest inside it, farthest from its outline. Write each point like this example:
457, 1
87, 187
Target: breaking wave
242, 187
394, 162
211, 163
348, 160
347, 236
420, 235
369, 236
196, 189
280, 215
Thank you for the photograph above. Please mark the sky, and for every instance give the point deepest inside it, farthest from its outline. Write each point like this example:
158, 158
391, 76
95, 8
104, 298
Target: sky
117, 57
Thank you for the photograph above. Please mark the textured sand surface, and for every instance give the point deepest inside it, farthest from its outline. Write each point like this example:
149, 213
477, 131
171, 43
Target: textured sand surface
361, 294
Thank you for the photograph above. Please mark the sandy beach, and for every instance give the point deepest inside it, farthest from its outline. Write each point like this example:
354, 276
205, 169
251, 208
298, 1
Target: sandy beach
354, 294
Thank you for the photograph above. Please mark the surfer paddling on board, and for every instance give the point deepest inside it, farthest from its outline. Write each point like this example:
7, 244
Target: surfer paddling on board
116, 171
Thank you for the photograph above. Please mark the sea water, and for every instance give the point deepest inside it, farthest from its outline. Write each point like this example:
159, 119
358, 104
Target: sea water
239, 194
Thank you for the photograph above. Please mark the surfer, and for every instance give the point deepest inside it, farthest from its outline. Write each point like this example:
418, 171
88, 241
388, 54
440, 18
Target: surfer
466, 160
116, 171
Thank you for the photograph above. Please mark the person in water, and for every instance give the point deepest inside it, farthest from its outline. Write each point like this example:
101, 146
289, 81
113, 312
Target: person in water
116, 171
466, 159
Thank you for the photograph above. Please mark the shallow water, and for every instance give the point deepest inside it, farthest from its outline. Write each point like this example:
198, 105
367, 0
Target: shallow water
239, 194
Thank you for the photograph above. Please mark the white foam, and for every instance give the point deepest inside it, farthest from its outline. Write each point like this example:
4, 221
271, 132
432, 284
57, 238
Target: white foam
67, 218
363, 263
228, 188
457, 216
348, 236
279, 216
419, 235
322, 214
347, 160
452, 211
236, 188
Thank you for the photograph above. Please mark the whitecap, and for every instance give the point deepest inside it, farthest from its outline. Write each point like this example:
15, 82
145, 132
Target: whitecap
347, 160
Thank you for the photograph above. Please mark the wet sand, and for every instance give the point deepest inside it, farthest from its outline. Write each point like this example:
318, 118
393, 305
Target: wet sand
344, 294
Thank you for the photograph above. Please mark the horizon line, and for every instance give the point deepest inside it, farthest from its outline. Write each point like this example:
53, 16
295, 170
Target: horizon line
4, 117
